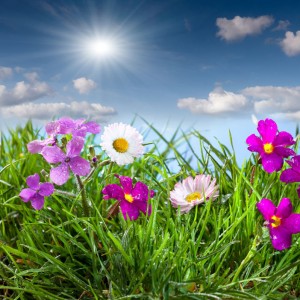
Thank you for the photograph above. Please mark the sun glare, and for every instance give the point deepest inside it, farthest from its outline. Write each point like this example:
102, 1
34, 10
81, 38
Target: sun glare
101, 48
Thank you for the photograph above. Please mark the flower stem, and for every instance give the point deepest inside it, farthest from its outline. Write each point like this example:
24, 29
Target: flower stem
65, 193
83, 197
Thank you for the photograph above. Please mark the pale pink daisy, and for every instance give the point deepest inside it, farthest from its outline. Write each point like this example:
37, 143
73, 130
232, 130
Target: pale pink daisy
193, 191
122, 143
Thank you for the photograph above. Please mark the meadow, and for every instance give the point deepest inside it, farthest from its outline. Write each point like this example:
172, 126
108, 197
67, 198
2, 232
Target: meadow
80, 246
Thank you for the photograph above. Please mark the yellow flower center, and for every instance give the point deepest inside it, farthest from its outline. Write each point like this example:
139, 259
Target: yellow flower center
120, 145
276, 221
129, 198
193, 196
268, 148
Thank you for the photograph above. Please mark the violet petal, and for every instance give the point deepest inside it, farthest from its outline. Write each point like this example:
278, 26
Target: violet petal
92, 127
285, 208
271, 162
79, 166
281, 238
53, 154
129, 210
126, 183
27, 194
266, 208
38, 202
268, 130
292, 223
75, 146
289, 176
60, 174
33, 181
140, 192
46, 189
283, 138
255, 143
113, 191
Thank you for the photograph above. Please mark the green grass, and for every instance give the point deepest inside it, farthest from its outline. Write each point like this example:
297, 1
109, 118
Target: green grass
219, 250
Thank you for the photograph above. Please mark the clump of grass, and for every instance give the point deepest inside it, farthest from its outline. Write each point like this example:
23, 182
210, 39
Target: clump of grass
219, 250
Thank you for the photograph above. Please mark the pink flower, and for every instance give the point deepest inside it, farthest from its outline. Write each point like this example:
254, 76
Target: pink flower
193, 191
133, 199
272, 146
36, 191
281, 221
69, 160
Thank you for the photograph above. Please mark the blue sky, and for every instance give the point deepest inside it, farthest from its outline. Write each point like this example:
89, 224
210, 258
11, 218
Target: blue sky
208, 64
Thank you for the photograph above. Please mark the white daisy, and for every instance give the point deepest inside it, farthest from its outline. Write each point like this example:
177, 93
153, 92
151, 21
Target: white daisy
122, 143
193, 191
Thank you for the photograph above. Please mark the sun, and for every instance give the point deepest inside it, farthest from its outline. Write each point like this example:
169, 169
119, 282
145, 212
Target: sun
101, 48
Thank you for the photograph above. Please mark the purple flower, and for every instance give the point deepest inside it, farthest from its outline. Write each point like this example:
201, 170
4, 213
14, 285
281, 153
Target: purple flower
272, 146
36, 191
81, 128
281, 221
69, 160
37, 146
133, 199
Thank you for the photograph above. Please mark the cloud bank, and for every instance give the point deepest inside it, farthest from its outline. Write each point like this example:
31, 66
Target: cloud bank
45, 111
240, 27
269, 100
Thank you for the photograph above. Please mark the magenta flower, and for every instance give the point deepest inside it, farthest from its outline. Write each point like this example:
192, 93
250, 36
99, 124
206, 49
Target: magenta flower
272, 146
281, 221
81, 128
69, 160
37, 146
133, 199
36, 191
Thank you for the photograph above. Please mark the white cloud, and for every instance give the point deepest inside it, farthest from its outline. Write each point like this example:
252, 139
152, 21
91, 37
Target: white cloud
84, 85
45, 111
23, 92
291, 43
218, 101
5, 72
274, 99
239, 27
282, 25
31, 76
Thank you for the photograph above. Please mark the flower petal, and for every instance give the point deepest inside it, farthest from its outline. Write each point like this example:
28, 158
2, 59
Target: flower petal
53, 154
38, 202
283, 151
255, 144
113, 191
140, 192
66, 125
285, 208
271, 162
266, 208
283, 138
289, 176
267, 129
75, 146
292, 223
281, 238
27, 194
126, 183
144, 207
92, 127
80, 166
37, 146
33, 181
129, 210
60, 174
46, 189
